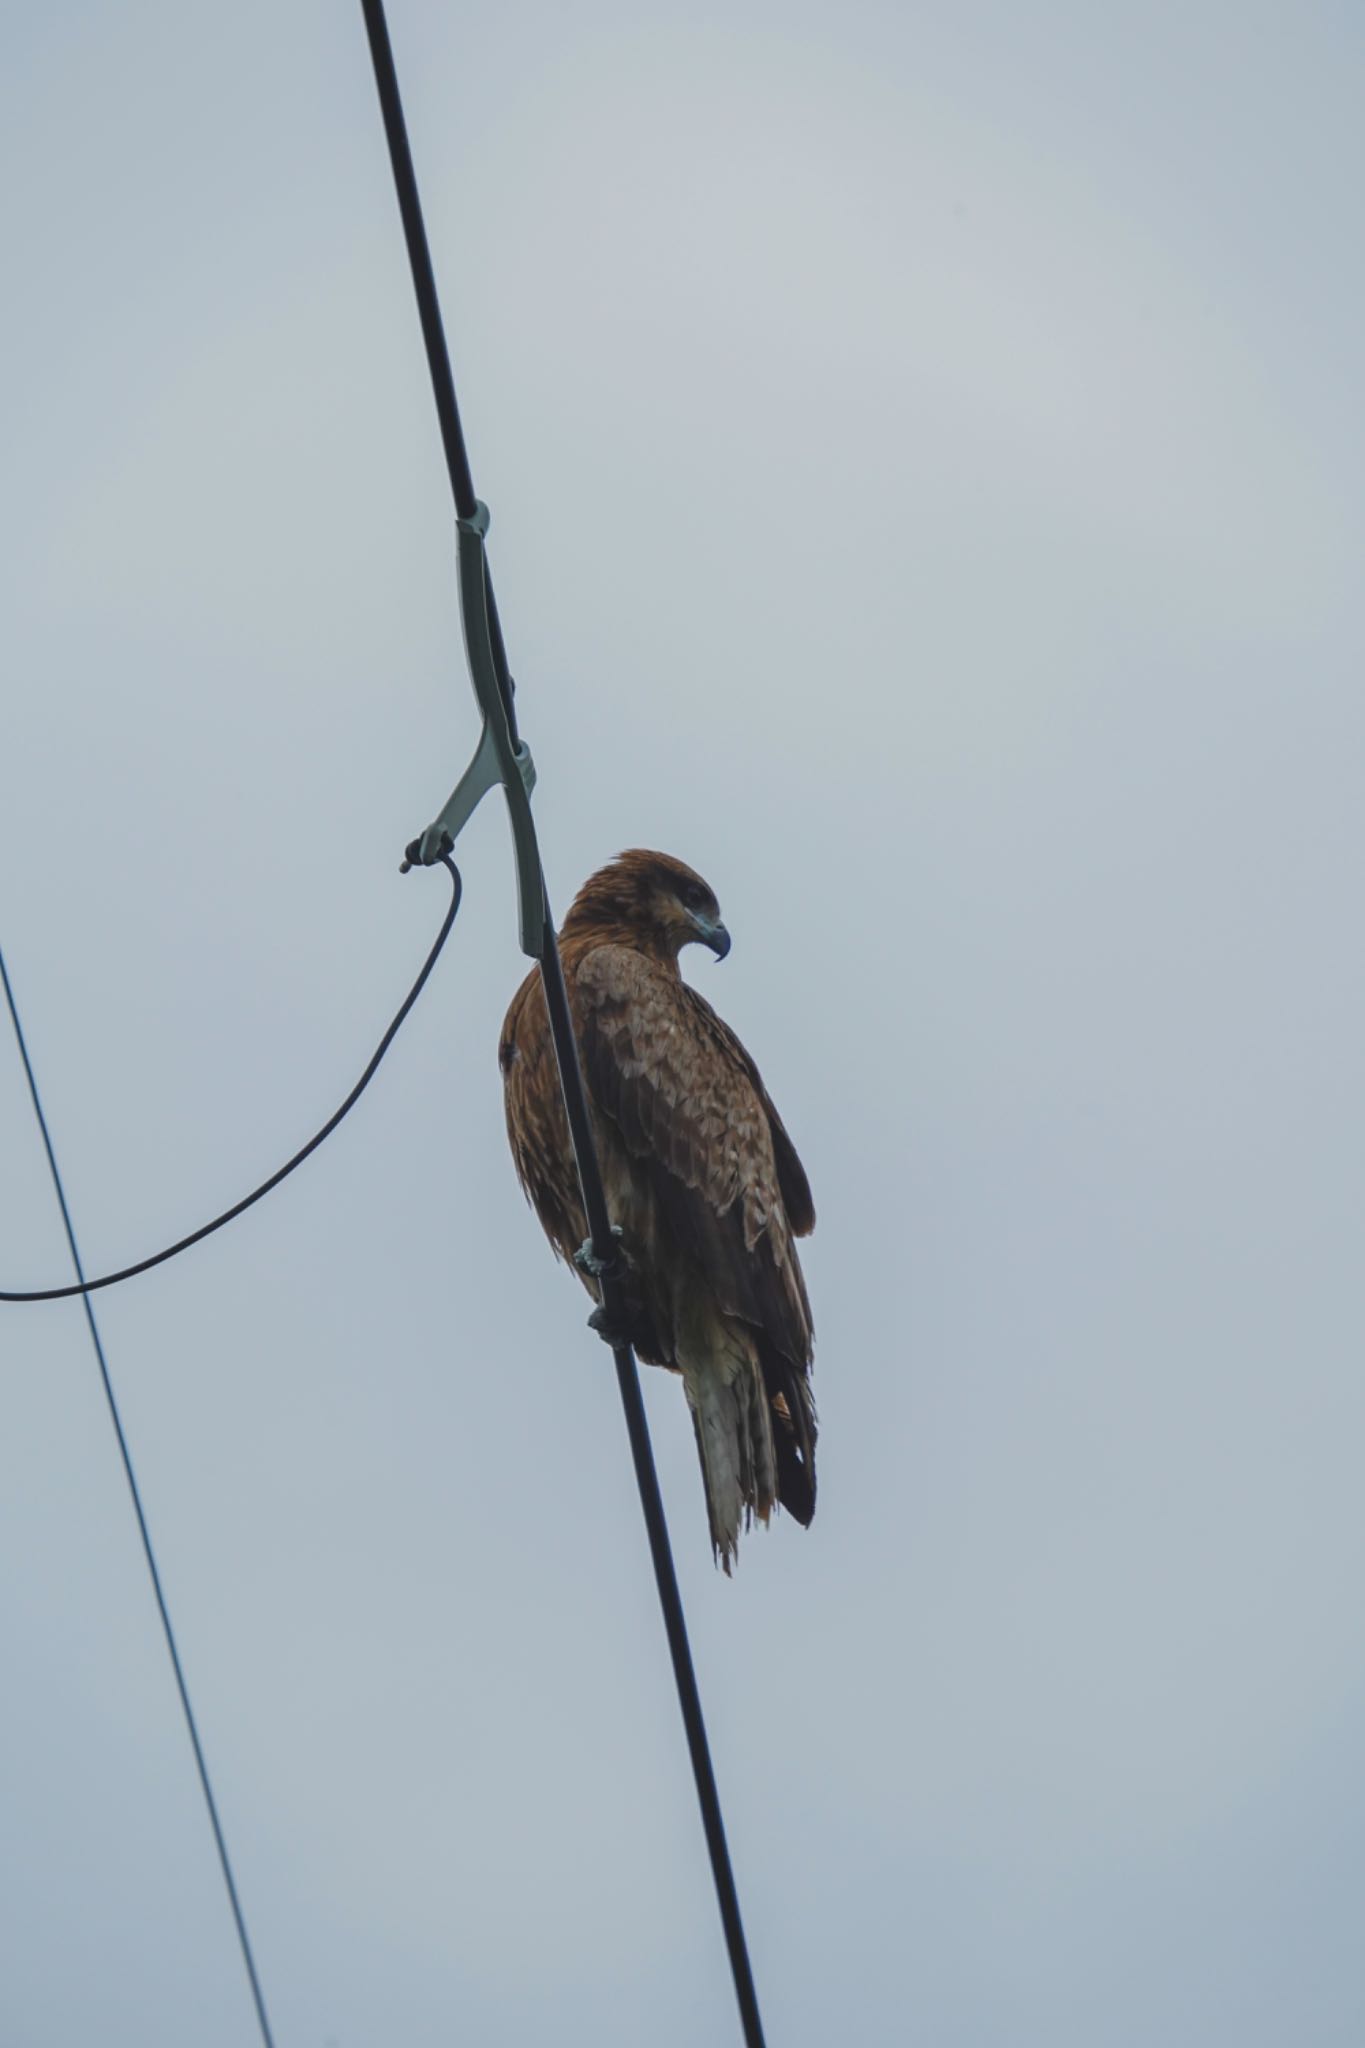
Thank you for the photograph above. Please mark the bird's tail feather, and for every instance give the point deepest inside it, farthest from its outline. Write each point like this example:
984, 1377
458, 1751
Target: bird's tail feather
733, 1420
795, 1430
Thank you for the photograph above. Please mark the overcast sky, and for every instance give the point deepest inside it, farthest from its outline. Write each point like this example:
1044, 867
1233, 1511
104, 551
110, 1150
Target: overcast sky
925, 452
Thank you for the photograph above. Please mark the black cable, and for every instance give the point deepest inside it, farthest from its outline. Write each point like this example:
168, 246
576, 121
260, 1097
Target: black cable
419, 257
571, 1079
647, 1479
150, 1555
429, 312
183, 1244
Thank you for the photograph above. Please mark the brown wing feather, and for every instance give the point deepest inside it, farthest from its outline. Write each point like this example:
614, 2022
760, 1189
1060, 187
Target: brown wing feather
536, 1124
690, 1110
791, 1174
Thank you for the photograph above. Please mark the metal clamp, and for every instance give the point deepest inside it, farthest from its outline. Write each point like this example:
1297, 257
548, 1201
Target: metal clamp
498, 758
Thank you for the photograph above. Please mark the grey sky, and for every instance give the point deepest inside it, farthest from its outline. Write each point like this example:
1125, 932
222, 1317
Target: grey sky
925, 456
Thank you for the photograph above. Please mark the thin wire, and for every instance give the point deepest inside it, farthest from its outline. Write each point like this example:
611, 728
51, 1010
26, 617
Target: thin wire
571, 1079
167, 1630
206, 1230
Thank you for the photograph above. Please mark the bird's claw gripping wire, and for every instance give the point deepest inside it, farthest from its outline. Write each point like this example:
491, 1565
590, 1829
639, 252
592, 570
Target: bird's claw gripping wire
614, 1322
613, 1267
615, 1331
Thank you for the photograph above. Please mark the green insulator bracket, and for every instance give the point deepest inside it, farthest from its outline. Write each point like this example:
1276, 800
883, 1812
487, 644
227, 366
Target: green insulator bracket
498, 758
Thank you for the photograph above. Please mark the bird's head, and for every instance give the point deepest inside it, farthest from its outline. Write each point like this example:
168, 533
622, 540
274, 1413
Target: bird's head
649, 901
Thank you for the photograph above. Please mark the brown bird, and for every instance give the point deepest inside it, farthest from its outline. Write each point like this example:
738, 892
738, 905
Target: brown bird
703, 1184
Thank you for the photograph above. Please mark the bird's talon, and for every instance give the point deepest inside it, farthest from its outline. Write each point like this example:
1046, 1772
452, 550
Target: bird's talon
587, 1261
618, 1335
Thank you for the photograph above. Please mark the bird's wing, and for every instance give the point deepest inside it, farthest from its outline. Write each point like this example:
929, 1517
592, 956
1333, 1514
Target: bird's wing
691, 1112
536, 1124
791, 1174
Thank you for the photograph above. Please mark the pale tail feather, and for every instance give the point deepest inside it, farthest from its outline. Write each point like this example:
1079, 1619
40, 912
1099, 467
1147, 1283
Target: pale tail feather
734, 1426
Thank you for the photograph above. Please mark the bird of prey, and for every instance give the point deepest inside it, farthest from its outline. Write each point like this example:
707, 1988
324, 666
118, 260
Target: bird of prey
704, 1188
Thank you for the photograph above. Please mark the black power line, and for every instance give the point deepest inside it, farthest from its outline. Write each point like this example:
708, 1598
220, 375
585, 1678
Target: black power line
148, 1552
566, 1053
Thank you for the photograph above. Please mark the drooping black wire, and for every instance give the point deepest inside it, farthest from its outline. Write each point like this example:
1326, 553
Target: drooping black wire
167, 1630
207, 1229
571, 1081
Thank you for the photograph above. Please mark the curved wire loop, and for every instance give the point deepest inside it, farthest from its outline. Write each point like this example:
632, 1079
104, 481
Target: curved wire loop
207, 1229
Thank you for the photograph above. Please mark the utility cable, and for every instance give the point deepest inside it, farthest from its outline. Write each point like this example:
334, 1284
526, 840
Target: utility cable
566, 1053
207, 1229
168, 1631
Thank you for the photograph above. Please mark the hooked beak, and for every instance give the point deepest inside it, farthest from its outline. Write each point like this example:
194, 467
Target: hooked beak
712, 933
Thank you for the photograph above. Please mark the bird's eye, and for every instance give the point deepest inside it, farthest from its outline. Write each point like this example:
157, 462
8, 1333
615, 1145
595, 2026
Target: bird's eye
694, 896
